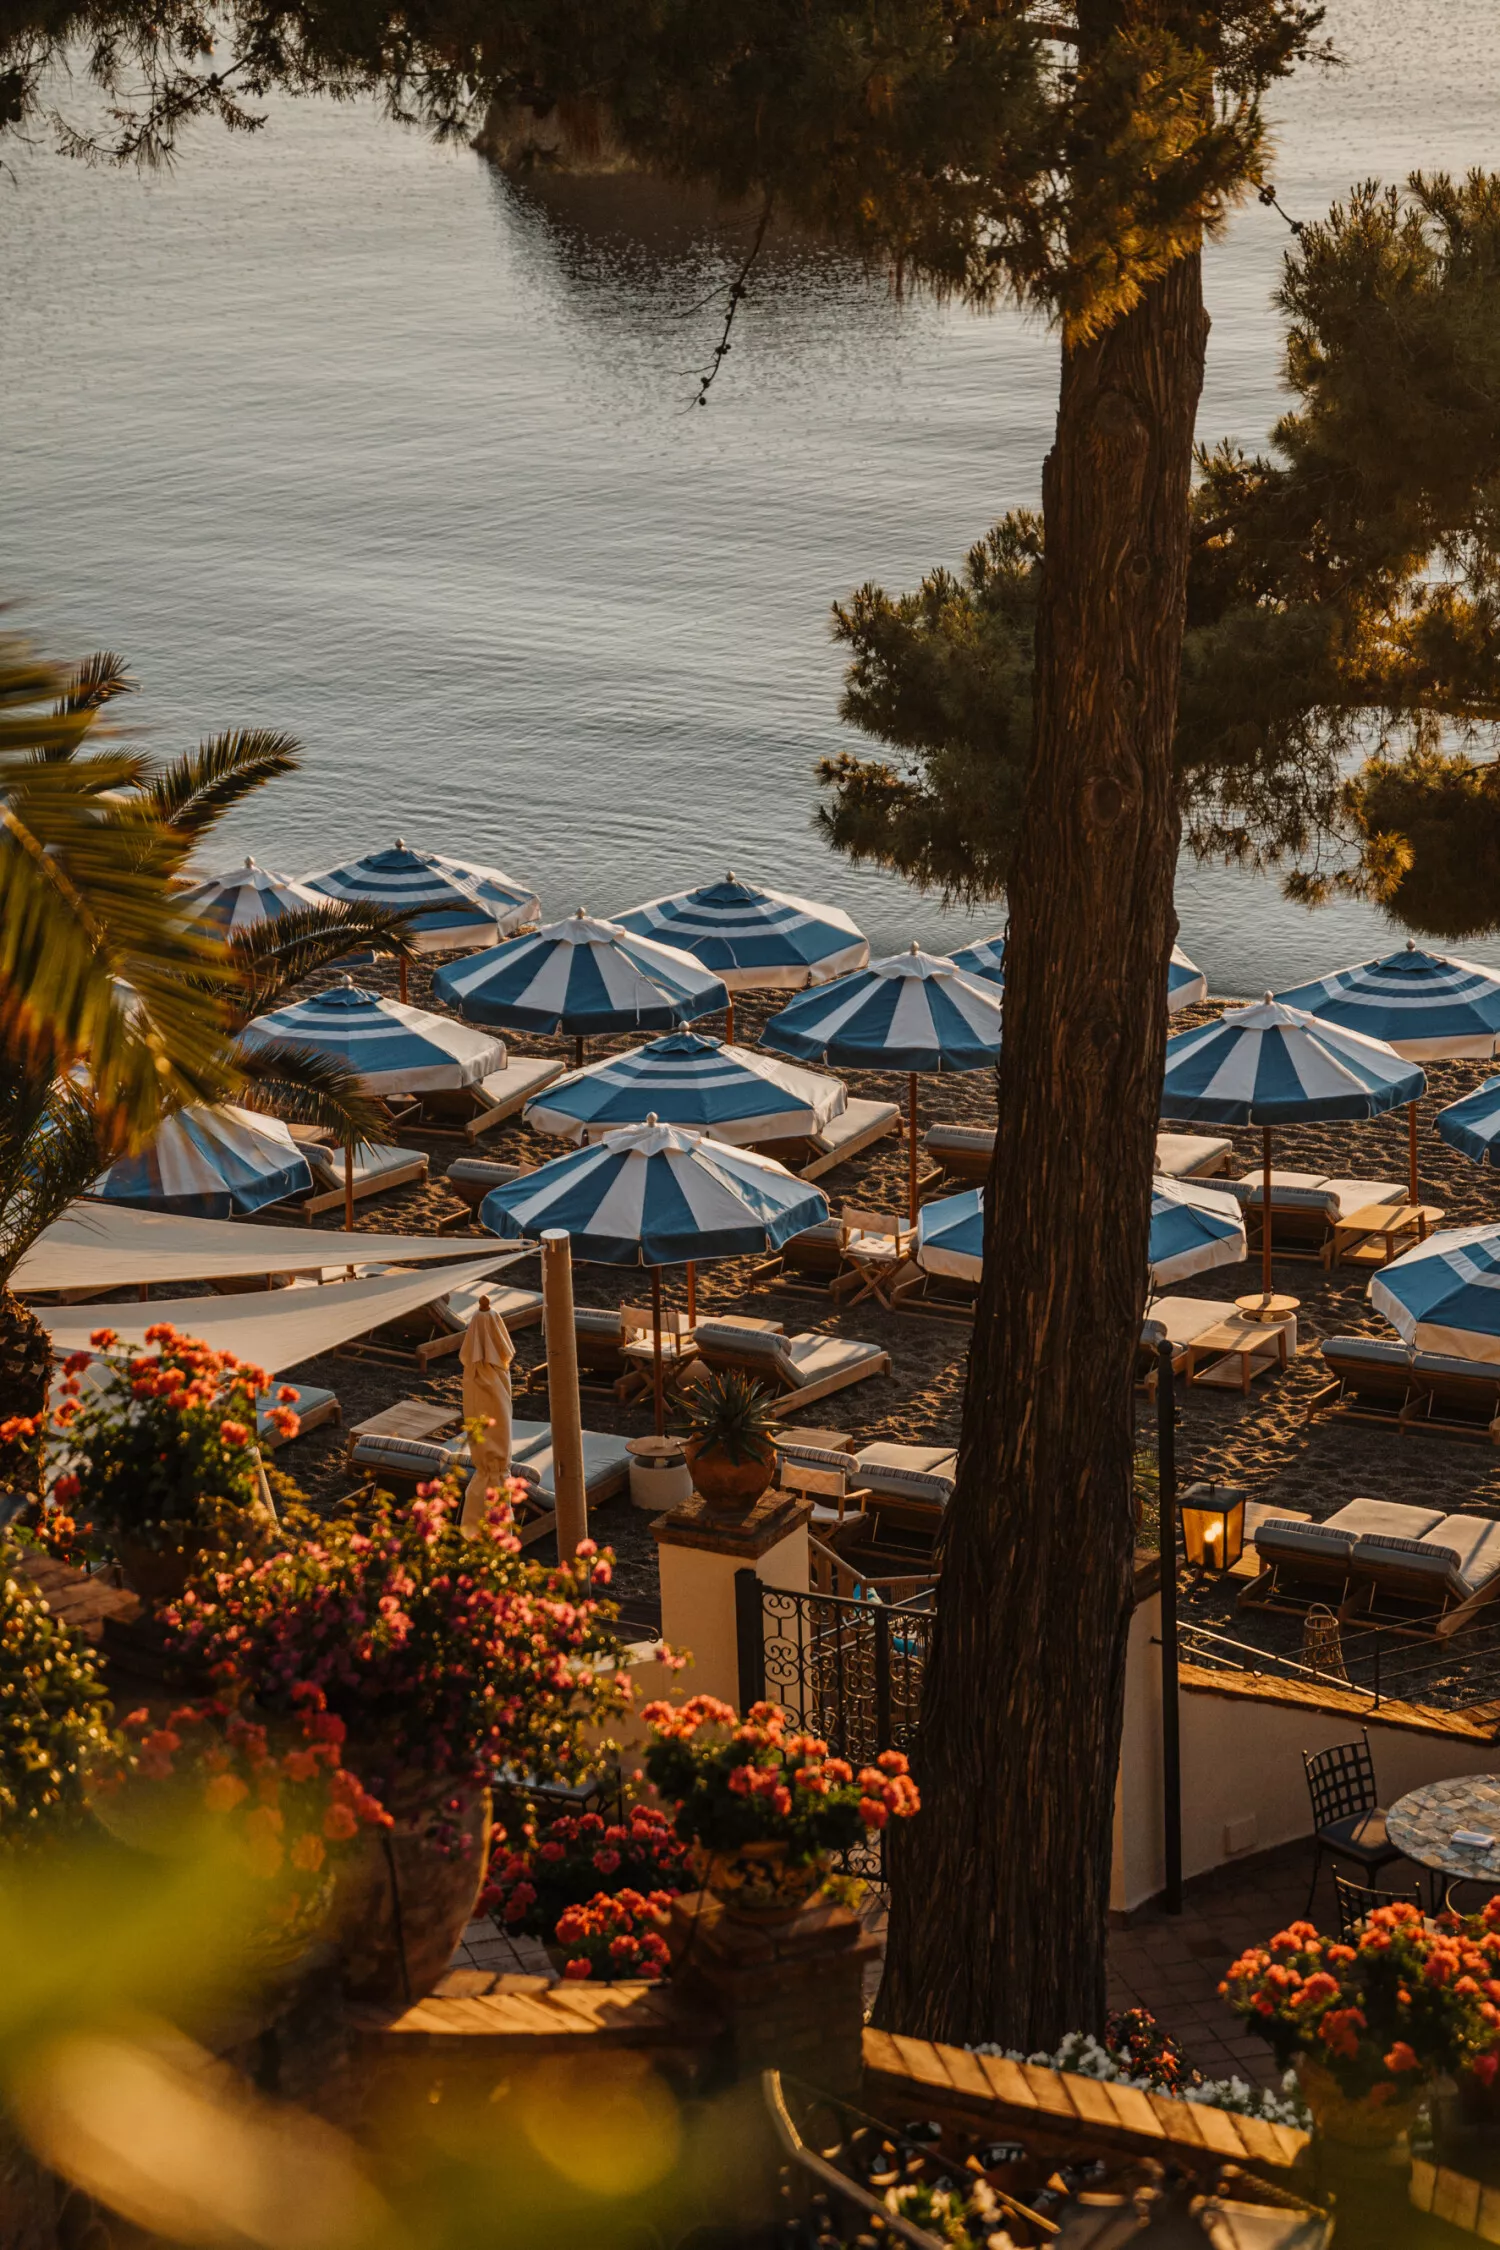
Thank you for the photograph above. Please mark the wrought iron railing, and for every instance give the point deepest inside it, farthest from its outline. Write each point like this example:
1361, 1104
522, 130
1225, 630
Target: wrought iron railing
1384, 1665
850, 1671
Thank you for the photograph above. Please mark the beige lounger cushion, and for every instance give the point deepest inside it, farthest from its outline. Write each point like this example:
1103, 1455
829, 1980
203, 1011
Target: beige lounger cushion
974, 1140
1388, 1519
1183, 1156
1357, 1195
855, 1119
1405, 1559
1182, 1320
1290, 1191
1475, 1541
808, 1359
370, 1163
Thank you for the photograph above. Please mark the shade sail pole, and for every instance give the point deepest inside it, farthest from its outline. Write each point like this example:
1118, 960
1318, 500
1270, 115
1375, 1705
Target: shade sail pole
656, 1374
563, 1403
911, 1155
1265, 1213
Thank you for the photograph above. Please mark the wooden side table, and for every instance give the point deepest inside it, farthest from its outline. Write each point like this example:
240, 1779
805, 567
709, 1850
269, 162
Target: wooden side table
408, 1418
1370, 1237
1257, 1344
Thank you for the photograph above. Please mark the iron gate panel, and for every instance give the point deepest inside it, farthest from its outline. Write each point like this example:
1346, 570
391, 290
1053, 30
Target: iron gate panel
849, 1671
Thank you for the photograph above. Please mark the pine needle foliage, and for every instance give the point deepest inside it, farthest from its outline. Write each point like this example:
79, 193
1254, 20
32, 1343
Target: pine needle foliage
1343, 609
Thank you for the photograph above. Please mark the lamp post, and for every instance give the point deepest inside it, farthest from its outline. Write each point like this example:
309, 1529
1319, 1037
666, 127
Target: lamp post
1171, 1741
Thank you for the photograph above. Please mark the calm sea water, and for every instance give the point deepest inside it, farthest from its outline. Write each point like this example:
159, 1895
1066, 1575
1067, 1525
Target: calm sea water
334, 431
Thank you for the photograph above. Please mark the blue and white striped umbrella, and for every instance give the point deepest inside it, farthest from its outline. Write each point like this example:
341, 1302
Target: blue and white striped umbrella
1193, 1228
210, 1163
913, 1011
1422, 1005
394, 1048
1186, 983
1444, 1296
581, 976
751, 938
1472, 1125
985, 959
653, 1195
246, 895
461, 906
734, 1094
1274, 1065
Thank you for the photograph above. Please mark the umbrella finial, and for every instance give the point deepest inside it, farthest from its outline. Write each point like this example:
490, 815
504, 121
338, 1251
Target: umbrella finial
484, 1302
400, 843
650, 1117
1270, 999
1411, 945
915, 947
249, 862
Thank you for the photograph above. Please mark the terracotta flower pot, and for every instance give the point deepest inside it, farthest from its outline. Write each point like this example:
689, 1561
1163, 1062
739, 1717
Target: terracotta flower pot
159, 1574
725, 1482
410, 1891
759, 1882
1355, 2120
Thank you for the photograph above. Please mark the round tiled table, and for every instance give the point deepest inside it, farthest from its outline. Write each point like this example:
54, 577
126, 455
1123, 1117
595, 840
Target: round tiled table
1422, 1823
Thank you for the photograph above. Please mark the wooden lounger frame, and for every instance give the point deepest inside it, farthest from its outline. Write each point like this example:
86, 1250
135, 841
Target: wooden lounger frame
332, 1199
497, 1112
1419, 1411
788, 1402
828, 1160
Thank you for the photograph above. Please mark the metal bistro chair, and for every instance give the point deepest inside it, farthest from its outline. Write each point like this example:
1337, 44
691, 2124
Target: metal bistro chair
1357, 1901
1347, 1818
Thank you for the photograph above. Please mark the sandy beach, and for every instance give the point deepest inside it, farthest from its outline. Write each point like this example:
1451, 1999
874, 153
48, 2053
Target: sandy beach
1262, 1443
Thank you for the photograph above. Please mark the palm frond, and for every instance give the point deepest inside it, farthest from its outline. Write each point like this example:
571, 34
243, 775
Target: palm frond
193, 794
273, 956
93, 683
86, 905
49, 1155
307, 1088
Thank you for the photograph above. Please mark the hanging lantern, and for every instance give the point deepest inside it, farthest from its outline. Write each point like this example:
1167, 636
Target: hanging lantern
1213, 1525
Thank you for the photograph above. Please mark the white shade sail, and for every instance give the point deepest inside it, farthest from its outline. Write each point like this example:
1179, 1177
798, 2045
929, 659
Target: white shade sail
111, 1246
273, 1328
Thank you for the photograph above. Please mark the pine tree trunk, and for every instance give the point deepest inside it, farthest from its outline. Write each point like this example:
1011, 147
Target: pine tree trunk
1000, 1887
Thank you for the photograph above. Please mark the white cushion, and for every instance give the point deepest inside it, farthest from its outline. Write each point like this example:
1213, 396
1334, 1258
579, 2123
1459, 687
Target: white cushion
1354, 1195
370, 1163
1475, 1544
1180, 1154
1183, 1320
1387, 1519
805, 1359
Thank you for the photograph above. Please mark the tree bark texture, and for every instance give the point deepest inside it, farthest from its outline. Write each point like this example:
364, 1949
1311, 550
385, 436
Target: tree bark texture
1000, 1887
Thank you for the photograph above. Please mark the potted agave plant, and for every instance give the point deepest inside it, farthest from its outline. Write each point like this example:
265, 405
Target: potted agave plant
730, 1447
763, 1806
447, 1658
1369, 2025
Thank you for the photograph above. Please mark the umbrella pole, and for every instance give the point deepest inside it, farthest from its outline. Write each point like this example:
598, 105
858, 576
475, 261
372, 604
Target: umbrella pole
563, 1404
348, 1187
656, 1375
578, 1054
1265, 1214
692, 1294
403, 976
1411, 1150
911, 1149
728, 1026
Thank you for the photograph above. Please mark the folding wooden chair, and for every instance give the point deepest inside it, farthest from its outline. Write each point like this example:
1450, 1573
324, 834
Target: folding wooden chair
875, 1251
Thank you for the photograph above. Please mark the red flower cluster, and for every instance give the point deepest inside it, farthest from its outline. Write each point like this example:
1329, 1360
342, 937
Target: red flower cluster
445, 1656
161, 1449
1408, 1997
575, 1858
289, 1813
616, 1934
760, 1780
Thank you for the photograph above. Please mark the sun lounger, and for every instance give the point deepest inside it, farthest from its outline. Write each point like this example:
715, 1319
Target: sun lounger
1429, 1585
1307, 1562
1454, 1397
1305, 1208
908, 1472
1377, 1379
857, 1127
600, 1337
1192, 1156
806, 1367
506, 1092
408, 1462
813, 1255
313, 1406
375, 1171
518, 1308
472, 1177
1178, 1321
962, 1151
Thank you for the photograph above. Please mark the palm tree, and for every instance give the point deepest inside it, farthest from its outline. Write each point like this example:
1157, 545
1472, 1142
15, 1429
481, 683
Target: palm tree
115, 1009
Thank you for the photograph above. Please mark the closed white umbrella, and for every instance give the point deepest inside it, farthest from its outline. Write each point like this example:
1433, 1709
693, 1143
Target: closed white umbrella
486, 1353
